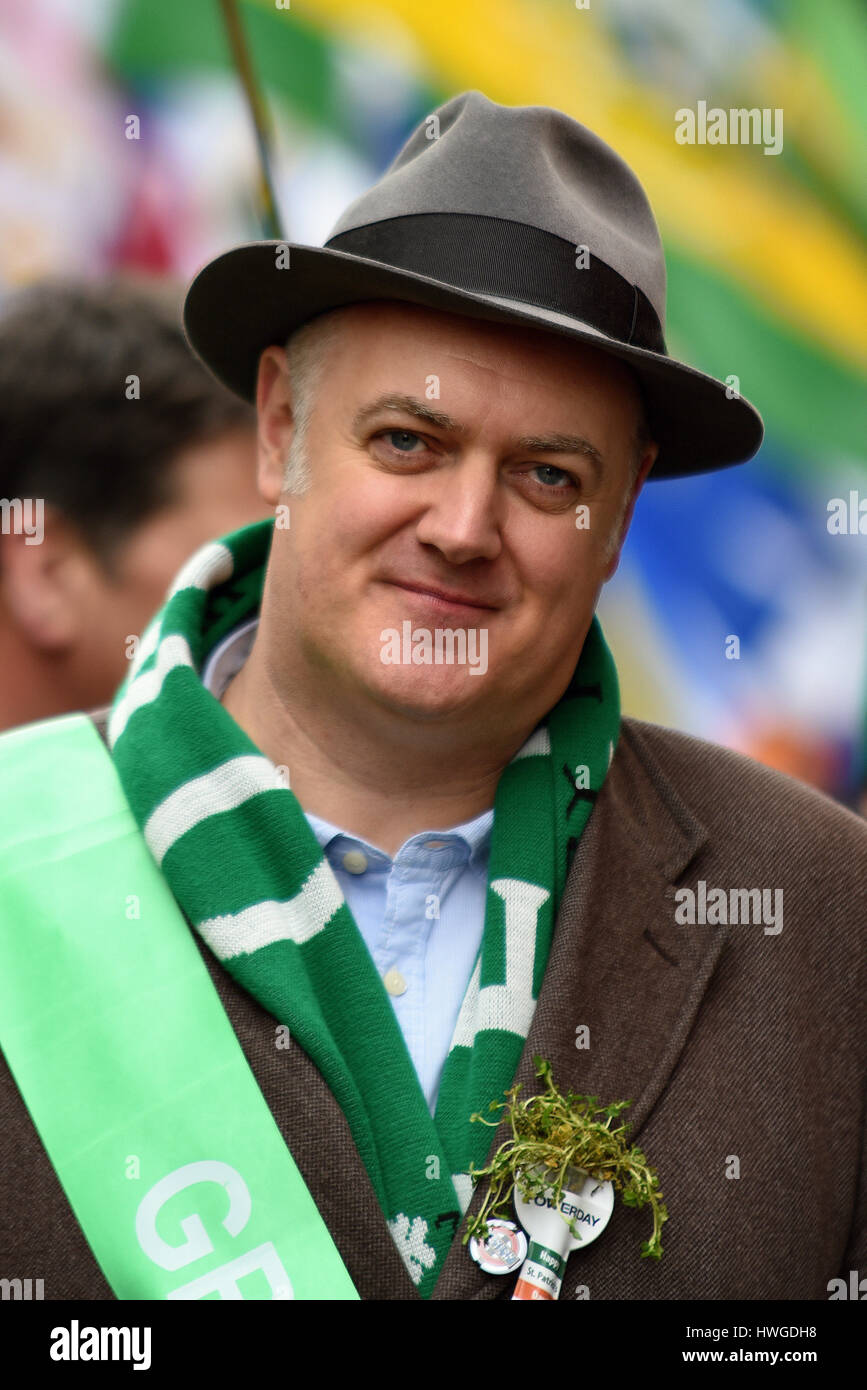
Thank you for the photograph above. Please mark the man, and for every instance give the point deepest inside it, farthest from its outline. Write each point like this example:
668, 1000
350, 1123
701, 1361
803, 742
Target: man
376, 756
121, 456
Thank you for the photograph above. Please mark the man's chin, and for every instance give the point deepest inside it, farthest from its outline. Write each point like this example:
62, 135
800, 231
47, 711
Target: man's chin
429, 695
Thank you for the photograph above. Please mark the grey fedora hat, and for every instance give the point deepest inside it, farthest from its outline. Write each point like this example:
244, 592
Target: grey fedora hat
483, 212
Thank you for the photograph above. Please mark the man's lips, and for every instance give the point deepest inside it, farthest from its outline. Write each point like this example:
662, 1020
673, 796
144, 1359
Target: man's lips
448, 597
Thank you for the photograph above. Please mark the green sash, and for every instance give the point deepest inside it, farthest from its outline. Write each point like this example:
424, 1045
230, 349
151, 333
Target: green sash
131, 1071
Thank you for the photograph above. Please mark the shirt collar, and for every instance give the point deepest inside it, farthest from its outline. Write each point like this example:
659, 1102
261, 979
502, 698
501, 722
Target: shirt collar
227, 658
475, 833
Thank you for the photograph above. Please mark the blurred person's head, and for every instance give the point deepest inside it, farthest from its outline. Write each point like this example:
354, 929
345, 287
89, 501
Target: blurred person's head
119, 456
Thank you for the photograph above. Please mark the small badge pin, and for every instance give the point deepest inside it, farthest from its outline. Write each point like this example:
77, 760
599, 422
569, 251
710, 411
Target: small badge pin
556, 1228
501, 1250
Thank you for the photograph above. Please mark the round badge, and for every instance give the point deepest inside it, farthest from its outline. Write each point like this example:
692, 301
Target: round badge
502, 1250
588, 1204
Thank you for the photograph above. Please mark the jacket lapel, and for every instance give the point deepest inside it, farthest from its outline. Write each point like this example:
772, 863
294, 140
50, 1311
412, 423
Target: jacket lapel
619, 967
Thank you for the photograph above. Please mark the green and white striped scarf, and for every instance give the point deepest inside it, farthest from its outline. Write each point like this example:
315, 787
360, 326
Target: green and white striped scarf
245, 867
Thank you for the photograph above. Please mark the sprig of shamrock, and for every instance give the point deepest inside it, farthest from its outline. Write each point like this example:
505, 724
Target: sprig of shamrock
553, 1134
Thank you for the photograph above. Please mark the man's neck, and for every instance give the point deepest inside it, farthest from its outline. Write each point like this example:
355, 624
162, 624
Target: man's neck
342, 768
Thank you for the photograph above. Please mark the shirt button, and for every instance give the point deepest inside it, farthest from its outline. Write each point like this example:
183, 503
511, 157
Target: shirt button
394, 982
355, 861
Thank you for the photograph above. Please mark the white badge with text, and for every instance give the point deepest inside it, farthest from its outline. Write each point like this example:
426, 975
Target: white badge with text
588, 1203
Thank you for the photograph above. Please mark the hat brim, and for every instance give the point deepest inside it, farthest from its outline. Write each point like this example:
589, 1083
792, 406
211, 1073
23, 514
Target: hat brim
241, 303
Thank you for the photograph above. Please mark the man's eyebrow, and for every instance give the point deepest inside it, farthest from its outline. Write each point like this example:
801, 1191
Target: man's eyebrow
408, 405
555, 443
561, 444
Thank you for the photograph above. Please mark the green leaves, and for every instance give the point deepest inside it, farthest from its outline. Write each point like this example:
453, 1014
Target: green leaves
554, 1134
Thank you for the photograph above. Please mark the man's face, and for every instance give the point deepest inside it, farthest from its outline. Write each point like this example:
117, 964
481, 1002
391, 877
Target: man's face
449, 461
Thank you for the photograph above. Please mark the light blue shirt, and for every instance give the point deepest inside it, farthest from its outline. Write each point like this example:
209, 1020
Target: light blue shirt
421, 914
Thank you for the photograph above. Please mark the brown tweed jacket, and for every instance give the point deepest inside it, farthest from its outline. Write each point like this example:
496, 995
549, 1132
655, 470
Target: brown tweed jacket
733, 1042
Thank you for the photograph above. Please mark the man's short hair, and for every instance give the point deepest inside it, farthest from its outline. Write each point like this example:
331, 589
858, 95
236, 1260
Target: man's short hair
72, 435
306, 352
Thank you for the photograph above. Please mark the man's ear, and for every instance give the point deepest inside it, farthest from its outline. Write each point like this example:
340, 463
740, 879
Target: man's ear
648, 459
275, 422
42, 585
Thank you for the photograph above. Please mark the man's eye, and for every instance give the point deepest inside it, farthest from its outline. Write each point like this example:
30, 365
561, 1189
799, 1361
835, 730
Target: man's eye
558, 480
399, 439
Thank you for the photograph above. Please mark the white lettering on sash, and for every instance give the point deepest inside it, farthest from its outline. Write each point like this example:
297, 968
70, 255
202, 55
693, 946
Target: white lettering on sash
198, 1241
224, 1279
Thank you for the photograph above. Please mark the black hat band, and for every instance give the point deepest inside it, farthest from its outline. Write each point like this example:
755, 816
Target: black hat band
493, 256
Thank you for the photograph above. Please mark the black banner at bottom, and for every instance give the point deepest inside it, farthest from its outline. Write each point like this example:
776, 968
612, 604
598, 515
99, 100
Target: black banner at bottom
82, 1339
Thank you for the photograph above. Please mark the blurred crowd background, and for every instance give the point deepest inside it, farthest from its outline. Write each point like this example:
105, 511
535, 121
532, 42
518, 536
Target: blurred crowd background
766, 259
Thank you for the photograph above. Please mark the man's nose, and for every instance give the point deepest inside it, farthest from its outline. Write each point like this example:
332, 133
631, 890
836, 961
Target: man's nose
464, 514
